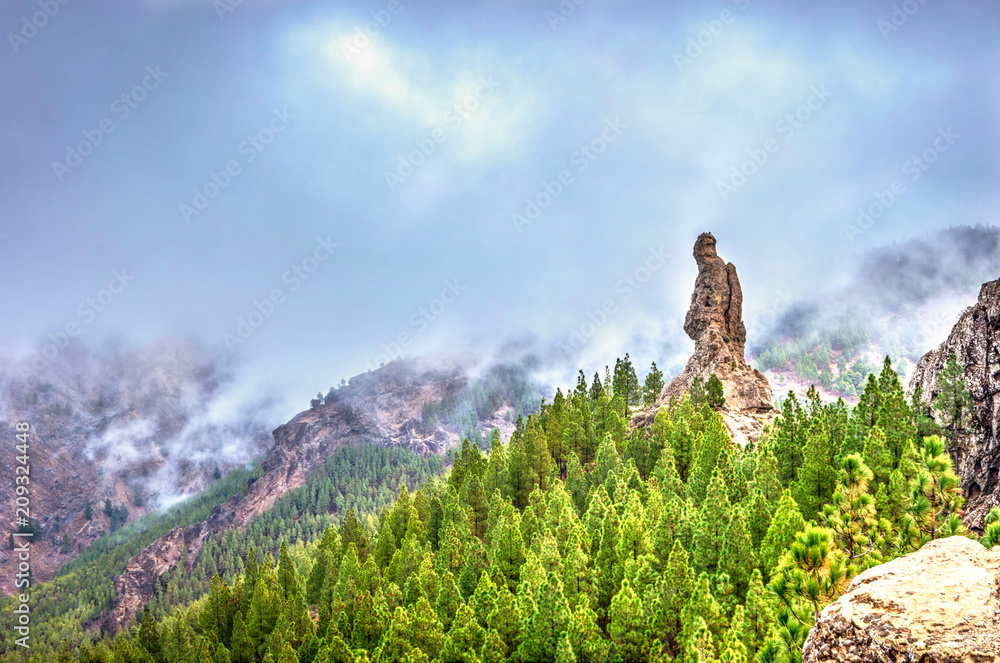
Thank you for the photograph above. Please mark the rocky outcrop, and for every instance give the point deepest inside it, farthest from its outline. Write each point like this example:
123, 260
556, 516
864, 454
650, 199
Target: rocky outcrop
714, 322
940, 604
141, 577
975, 341
379, 407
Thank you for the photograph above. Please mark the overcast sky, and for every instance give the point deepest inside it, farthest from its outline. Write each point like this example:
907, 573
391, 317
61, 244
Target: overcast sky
213, 154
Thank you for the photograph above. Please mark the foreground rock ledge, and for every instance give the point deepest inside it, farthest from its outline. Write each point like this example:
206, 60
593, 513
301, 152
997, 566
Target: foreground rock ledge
940, 604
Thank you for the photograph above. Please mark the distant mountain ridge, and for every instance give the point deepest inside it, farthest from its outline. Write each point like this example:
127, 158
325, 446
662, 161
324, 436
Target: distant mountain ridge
900, 300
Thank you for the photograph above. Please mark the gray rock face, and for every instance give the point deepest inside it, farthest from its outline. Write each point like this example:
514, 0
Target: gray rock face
940, 604
975, 340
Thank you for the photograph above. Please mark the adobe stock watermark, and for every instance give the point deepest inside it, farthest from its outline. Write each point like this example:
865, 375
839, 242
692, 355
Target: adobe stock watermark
625, 289
581, 159
710, 31
293, 277
565, 9
912, 169
899, 16
218, 181
363, 35
121, 107
419, 320
86, 312
30, 25
223, 7
758, 156
453, 119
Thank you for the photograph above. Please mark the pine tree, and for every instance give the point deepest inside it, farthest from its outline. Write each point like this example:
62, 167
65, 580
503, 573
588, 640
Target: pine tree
758, 518
548, 622
991, 526
506, 619
737, 558
787, 439
243, 650
496, 466
65, 655
817, 476
852, 517
697, 393
627, 622
508, 553
733, 649
537, 454
352, 531
936, 494
714, 394
477, 505
425, 630
484, 599
811, 574
596, 389
953, 403
759, 614
385, 546
673, 591
698, 645
653, 385
626, 384
149, 636
520, 474
564, 650
335, 650
448, 601
287, 655
786, 524
702, 607
289, 580
877, 457
713, 523
585, 636
576, 482
464, 640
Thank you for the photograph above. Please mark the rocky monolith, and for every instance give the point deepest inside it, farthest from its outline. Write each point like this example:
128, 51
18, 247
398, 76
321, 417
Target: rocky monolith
714, 322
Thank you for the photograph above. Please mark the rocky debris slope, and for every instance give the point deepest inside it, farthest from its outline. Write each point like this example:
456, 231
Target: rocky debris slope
715, 322
975, 341
379, 407
940, 604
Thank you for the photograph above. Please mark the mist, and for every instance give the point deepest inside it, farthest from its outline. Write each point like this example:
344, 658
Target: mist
899, 300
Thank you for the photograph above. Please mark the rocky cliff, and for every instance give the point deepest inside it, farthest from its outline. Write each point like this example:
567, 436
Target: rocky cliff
975, 341
379, 407
714, 322
940, 604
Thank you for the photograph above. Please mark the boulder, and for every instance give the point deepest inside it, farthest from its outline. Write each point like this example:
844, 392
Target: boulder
940, 604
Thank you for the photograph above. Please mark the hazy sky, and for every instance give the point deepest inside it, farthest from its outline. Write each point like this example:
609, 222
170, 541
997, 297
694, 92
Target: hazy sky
198, 156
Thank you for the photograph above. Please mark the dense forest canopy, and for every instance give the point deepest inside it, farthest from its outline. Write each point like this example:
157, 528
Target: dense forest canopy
581, 539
